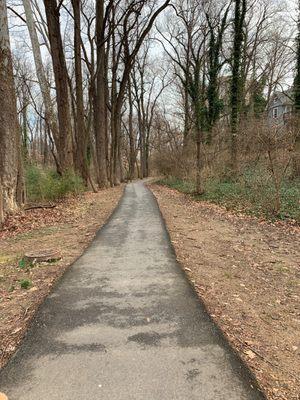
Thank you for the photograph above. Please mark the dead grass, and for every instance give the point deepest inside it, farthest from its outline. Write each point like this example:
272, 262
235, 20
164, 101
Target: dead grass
68, 228
247, 273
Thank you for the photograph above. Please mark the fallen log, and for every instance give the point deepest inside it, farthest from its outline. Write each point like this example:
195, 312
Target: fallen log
42, 256
33, 207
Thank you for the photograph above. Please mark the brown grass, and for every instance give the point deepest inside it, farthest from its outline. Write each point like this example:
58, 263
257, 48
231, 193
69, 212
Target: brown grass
247, 272
68, 228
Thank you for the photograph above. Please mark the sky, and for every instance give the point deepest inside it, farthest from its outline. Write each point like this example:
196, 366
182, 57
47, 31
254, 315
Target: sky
20, 43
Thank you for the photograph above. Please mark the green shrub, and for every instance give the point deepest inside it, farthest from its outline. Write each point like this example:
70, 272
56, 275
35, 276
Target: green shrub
290, 200
179, 184
25, 283
253, 192
22, 263
46, 184
25, 264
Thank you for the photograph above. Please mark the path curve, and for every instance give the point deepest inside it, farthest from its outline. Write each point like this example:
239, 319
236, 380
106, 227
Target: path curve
124, 324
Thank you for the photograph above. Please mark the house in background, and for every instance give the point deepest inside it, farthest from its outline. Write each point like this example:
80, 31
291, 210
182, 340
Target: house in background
280, 107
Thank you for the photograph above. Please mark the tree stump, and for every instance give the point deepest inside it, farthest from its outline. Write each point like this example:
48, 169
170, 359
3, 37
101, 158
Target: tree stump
42, 256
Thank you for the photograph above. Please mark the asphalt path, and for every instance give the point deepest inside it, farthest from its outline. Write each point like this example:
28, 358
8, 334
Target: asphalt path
124, 324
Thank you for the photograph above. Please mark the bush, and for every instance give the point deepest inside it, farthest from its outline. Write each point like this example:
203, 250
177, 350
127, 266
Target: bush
253, 192
179, 184
46, 184
25, 283
290, 203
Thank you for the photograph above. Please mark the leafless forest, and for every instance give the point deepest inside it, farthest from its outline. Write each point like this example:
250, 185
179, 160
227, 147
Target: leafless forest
201, 96
94, 93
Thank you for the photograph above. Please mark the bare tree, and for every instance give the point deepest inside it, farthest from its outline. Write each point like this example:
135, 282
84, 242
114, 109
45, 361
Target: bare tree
235, 93
81, 138
136, 24
147, 86
9, 129
100, 93
50, 116
65, 143
296, 159
188, 44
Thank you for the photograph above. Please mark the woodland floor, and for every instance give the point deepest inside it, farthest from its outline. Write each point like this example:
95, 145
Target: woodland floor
67, 228
247, 273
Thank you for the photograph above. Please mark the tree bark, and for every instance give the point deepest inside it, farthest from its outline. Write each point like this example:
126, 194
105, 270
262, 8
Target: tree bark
199, 183
65, 146
81, 164
187, 119
9, 129
132, 157
100, 111
239, 17
296, 158
214, 49
24, 120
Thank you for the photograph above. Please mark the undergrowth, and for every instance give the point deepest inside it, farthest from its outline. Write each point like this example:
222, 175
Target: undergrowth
252, 193
46, 184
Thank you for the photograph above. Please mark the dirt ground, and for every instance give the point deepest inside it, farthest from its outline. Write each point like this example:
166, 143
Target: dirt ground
67, 228
247, 273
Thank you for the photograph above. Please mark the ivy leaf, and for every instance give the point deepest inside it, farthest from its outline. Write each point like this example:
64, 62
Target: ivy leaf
22, 263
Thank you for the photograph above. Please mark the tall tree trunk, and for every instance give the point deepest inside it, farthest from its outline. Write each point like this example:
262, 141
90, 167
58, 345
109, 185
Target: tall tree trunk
50, 116
142, 127
9, 129
187, 119
81, 164
143, 149
199, 183
24, 120
296, 158
131, 134
65, 146
115, 118
115, 135
147, 150
21, 193
239, 18
100, 111
198, 100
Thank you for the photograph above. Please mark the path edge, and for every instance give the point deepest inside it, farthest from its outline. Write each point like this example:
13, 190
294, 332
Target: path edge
251, 374
57, 281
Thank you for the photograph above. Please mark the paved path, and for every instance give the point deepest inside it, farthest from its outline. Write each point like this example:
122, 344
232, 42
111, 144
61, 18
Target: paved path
124, 324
